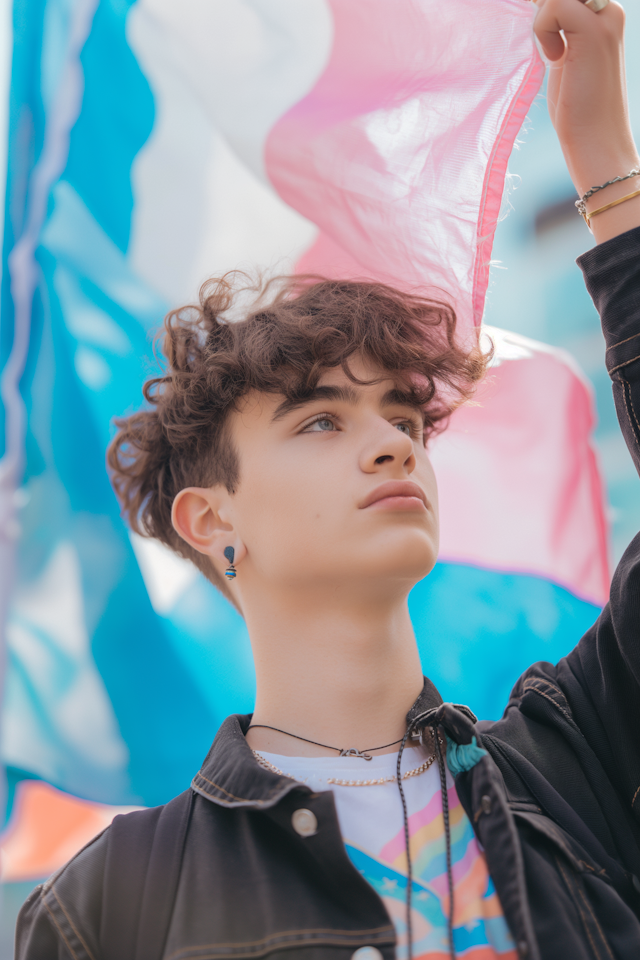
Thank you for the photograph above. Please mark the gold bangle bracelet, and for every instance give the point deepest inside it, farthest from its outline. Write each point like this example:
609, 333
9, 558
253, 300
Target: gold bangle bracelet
607, 206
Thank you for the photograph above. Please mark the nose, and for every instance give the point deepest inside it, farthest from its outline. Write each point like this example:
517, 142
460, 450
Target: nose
388, 446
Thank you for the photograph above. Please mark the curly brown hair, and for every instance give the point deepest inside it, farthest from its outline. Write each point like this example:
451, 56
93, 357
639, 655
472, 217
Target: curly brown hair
290, 331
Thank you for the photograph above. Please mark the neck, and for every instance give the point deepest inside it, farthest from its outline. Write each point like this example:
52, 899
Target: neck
342, 675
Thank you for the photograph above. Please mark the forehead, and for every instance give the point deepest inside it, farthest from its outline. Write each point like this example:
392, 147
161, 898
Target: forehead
375, 379
361, 367
379, 384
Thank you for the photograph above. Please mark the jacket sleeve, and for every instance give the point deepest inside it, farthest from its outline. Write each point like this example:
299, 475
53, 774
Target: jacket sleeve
61, 918
601, 677
612, 275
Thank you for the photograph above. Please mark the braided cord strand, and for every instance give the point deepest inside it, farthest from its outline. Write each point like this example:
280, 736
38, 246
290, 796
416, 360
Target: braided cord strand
405, 818
447, 834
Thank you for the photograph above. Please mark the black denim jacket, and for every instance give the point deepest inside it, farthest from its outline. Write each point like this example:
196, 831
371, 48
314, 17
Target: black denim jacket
555, 802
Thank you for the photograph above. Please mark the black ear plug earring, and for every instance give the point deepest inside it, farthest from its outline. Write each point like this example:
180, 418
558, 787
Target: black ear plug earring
230, 573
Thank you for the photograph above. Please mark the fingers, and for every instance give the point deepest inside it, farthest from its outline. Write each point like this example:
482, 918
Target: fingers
573, 18
547, 29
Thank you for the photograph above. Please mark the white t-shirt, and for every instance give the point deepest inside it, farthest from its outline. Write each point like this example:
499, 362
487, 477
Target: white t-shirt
372, 828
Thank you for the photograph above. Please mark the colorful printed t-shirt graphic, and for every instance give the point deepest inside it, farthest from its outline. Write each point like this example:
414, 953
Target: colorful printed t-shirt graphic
373, 832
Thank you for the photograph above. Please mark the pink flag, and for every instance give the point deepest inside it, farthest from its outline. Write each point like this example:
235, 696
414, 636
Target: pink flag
520, 488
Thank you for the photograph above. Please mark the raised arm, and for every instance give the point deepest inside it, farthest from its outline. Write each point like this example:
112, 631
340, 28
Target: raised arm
587, 98
588, 106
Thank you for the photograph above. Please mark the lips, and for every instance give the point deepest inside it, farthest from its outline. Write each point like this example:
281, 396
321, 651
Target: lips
394, 488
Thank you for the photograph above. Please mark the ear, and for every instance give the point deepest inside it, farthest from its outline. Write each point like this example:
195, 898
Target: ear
198, 516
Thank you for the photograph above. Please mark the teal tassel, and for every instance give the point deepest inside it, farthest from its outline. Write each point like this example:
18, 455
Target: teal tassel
463, 756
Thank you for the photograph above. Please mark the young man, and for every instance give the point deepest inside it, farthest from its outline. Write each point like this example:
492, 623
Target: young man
355, 814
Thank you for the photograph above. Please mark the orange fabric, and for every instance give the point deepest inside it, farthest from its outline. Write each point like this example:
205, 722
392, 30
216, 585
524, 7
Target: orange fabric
47, 827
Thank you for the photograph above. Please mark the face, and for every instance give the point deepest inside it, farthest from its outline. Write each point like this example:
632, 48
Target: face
336, 493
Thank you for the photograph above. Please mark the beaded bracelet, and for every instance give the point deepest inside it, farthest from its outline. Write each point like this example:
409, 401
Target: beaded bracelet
581, 204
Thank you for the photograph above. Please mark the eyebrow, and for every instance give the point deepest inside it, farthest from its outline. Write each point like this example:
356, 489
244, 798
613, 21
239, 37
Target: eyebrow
348, 395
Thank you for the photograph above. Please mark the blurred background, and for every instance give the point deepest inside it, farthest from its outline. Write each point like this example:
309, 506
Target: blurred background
139, 157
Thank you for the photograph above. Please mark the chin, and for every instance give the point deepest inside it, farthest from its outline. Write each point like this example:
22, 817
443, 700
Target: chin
411, 561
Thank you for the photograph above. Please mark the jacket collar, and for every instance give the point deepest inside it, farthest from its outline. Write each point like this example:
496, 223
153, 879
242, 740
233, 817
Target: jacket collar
427, 700
456, 719
231, 777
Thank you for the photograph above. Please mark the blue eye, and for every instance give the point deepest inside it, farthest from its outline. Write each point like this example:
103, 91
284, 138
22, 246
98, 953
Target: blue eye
404, 428
324, 424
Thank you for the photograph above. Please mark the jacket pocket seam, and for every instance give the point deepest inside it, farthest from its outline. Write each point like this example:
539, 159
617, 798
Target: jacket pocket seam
627, 405
621, 365
286, 940
531, 685
524, 806
620, 342
574, 896
558, 842
60, 930
240, 954
70, 922
595, 920
597, 873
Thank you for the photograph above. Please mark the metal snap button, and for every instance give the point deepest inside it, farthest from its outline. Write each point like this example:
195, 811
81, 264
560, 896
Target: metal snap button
366, 953
304, 823
485, 803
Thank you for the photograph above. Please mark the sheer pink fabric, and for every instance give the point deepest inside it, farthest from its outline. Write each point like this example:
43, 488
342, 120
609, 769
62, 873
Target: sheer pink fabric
520, 488
399, 151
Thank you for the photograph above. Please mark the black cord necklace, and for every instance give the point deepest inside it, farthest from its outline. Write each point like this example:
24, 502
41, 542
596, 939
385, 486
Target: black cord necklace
342, 752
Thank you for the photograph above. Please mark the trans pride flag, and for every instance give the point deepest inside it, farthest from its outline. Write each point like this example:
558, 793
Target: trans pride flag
153, 144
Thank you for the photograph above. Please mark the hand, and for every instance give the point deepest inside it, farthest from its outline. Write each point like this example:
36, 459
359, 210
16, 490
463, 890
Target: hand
588, 104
